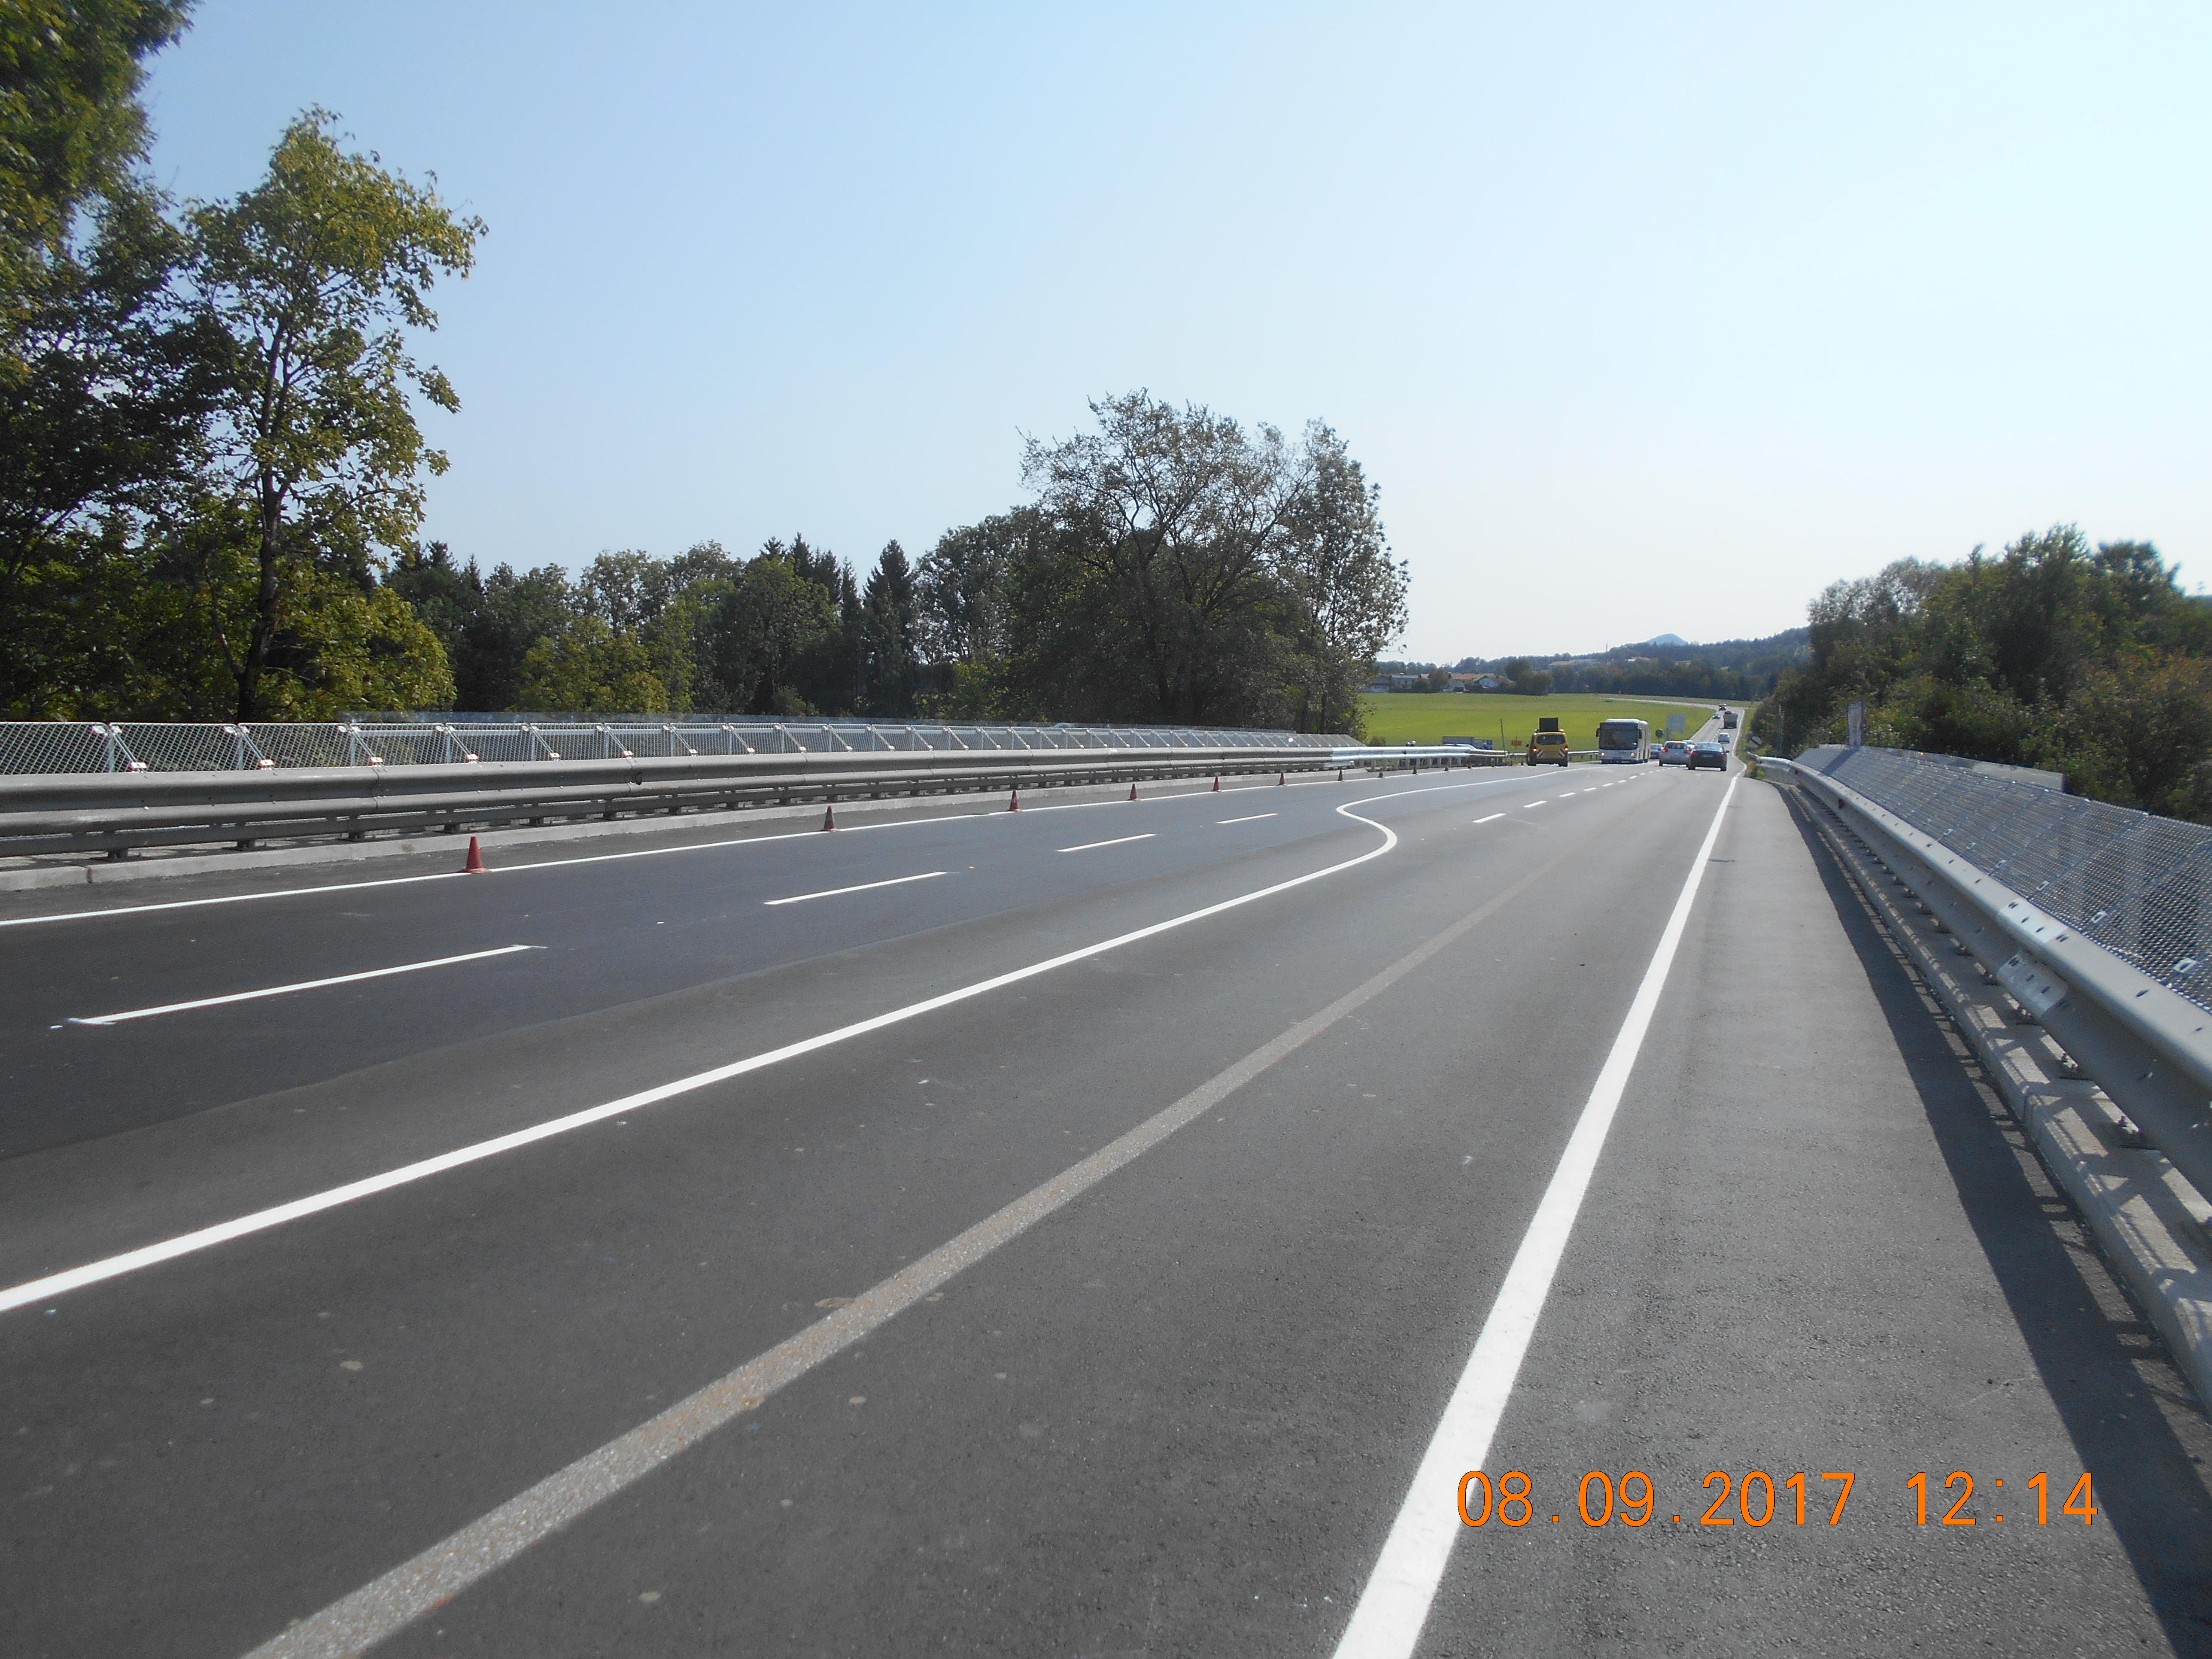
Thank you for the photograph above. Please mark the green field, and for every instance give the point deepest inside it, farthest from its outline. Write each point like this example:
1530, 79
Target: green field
1426, 716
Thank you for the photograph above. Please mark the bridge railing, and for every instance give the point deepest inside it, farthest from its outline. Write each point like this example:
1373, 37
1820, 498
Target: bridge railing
31, 748
116, 813
2095, 919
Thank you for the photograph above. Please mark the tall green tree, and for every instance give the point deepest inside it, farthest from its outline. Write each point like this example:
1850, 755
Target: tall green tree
1351, 596
2090, 661
72, 131
318, 276
590, 669
106, 375
888, 632
777, 616
964, 588
1156, 594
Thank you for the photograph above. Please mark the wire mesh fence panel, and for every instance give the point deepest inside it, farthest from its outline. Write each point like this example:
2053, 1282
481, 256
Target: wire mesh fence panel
2138, 884
500, 744
194, 748
37, 747
306, 745
32, 747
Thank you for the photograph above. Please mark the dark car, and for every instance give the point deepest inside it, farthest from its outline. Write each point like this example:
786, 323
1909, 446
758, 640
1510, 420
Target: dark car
1708, 754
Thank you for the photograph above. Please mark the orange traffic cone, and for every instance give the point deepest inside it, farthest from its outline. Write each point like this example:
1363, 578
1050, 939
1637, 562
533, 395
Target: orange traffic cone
829, 815
1339, 774
1282, 778
1014, 799
475, 866
1216, 786
1133, 791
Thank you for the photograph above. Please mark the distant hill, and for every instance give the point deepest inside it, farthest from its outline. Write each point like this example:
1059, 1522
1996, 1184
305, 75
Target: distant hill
1667, 666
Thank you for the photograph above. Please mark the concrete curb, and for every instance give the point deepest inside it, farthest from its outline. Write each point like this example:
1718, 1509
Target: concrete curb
2154, 1226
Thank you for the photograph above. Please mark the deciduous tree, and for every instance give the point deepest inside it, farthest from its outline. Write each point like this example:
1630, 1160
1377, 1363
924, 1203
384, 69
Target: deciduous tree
318, 276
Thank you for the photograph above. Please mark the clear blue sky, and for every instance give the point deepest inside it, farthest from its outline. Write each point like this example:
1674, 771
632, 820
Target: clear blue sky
1645, 318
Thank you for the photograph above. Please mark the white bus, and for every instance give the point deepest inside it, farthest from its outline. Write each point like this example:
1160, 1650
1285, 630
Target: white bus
1625, 743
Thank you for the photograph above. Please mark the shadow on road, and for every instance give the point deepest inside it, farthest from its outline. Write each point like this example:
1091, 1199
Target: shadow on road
2124, 1404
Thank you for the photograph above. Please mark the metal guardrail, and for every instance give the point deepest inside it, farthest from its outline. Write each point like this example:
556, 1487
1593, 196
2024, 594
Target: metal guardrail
43, 747
2139, 885
115, 813
2147, 1042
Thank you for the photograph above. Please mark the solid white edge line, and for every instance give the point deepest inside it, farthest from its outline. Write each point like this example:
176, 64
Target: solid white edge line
1252, 818
1387, 1622
1118, 841
865, 887
304, 985
93, 1272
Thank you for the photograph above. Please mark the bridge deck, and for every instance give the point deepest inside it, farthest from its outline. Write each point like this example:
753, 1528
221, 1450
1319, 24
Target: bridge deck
965, 1387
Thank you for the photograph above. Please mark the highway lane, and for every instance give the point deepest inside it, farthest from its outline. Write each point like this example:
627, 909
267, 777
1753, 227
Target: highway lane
276, 1146
227, 1442
1196, 1014
620, 926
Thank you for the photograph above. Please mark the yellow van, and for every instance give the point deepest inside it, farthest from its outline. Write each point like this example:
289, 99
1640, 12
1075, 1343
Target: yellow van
1547, 747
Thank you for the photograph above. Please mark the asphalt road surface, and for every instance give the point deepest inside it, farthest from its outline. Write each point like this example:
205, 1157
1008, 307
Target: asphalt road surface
1112, 1229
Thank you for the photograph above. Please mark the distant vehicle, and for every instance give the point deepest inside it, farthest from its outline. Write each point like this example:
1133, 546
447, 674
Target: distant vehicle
1623, 743
1728, 718
1708, 754
1546, 748
1673, 753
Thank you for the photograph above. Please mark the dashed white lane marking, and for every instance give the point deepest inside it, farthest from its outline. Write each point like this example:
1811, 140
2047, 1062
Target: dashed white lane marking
169, 1249
1250, 818
809, 836
304, 985
1118, 841
864, 887
1387, 1622
384, 1607
1526, 805
1492, 818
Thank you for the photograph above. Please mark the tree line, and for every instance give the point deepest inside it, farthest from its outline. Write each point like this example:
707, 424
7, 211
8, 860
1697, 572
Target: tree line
211, 488
2089, 661
1735, 669
1172, 568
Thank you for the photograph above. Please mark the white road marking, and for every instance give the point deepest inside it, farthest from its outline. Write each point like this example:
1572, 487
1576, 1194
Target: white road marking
1118, 841
865, 887
1492, 818
168, 1249
811, 836
1387, 1622
1251, 818
1526, 805
304, 985
382, 1608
